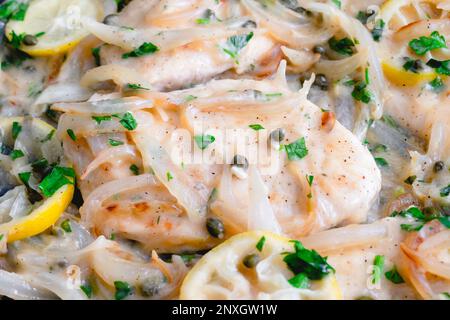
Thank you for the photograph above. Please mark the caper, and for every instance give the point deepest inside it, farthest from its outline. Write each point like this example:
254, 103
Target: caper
249, 24
291, 4
319, 49
30, 40
215, 227
111, 19
251, 260
302, 10
151, 286
240, 161
278, 135
321, 81
438, 166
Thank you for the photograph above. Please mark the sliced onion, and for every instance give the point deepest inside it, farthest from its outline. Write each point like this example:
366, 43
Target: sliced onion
67, 92
16, 287
93, 202
105, 107
260, 212
193, 198
120, 75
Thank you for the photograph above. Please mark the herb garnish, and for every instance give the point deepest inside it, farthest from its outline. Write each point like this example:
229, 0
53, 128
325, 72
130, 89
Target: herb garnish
144, 49
378, 264
296, 150
135, 86
203, 141
16, 128
393, 276
236, 43
261, 243
65, 225
59, 177
123, 289
424, 44
114, 143
377, 31
256, 127
71, 134
134, 168
343, 46
16, 154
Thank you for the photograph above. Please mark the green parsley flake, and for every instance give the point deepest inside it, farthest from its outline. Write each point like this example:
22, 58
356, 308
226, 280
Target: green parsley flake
169, 176
123, 290
343, 46
424, 44
300, 281
256, 127
114, 143
378, 265
445, 191
16, 154
135, 86
307, 262
296, 150
16, 128
393, 276
87, 289
100, 119
437, 84
377, 31
260, 244
203, 141
337, 3
25, 177
128, 121
65, 225
144, 49
96, 54
134, 168
71, 134
237, 43
58, 177
361, 93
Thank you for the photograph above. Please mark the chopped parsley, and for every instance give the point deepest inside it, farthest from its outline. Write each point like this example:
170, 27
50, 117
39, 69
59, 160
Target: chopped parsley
412, 65
25, 177
114, 143
127, 121
57, 178
378, 265
377, 31
420, 219
1, 237
16, 128
343, 46
410, 180
144, 49
65, 225
100, 119
337, 3
190, 98
361, 92
441, 67
135, 86
13, 10
237, 43
71, 134
296, 150
423, 44
310, 179
87, 289
437, 84
16, 154
445, 191
300, 281
169, 176
96, 54
16, 39
134, 168
202, 21
379, 148
260, 244
123, 290
393, 276
307, 262
203, 141
381, 162
256, 127
389, 121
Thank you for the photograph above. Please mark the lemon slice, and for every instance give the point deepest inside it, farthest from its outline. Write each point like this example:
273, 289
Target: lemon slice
48, 211
57, 23
399, 13
400, 77
222, 273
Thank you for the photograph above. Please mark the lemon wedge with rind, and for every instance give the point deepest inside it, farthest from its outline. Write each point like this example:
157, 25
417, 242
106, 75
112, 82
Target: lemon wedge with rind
220, 274
49, 210
58, 24
41, 218
400, 77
